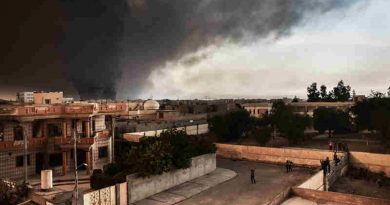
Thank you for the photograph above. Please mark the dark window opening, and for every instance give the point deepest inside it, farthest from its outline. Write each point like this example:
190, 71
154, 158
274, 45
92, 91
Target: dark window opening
103, 152
19, 161
53, 130
1, 132
55, 160
36, 127
47, 101
18, 133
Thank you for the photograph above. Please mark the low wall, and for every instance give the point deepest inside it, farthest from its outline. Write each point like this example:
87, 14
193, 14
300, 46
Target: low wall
142, 187
306, 157
336, 197
316, 182
373, 162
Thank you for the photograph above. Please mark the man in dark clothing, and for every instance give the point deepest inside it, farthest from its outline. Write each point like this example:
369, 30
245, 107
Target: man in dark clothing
253, 180
327, 161
336, 159
287, 166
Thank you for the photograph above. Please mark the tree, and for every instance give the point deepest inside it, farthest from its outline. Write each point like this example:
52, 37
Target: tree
295, 99
332, 120
290, 125
342, 92
388, 92
373, 114
230, 126
313, 95
323, 93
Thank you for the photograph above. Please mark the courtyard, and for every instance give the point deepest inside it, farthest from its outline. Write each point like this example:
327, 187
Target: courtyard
271, 180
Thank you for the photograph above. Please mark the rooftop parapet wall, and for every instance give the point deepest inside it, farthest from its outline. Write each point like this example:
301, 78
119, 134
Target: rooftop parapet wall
305, 157
63, 109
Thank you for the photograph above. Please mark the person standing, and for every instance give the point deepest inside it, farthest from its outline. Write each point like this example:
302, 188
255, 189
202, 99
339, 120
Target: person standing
253, 180
287, 166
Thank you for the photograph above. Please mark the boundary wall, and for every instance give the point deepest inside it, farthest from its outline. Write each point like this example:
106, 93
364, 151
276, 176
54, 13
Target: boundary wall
373, 162
142, 187
337, 197
299, 156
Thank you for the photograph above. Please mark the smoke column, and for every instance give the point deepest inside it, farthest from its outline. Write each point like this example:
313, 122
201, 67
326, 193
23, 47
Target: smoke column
105, 42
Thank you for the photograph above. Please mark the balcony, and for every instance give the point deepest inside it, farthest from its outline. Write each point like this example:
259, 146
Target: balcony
102, 134
80, 141
15, 145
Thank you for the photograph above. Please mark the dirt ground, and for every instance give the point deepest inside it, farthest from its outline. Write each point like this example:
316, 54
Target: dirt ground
271, 180
361, 187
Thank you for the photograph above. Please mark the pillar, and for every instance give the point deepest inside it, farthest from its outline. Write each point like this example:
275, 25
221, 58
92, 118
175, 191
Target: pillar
64, 134
64, 163
87, 129
88, 161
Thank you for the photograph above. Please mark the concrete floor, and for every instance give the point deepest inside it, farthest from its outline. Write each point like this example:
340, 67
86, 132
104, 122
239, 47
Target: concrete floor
271, 180
301, 201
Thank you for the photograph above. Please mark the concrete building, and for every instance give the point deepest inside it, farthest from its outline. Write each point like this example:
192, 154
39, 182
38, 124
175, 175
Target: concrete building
309, 107
48, 97
25, 97
257, 109
47, 129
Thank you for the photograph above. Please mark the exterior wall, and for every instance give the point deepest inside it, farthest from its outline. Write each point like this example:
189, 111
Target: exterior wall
54, 97
306, 157
316, 182
99, 122
373, 162
25, 97
190, 130
336, 197
140, 188
8, 167
309, 107
257, 109
98, 163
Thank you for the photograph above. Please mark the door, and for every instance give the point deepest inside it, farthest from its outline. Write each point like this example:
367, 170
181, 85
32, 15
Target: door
38, 162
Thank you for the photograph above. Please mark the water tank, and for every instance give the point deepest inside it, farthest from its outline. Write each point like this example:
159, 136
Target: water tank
46, 179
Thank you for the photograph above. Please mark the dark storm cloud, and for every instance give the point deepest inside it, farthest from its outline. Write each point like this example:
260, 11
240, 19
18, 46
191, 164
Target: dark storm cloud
103, 42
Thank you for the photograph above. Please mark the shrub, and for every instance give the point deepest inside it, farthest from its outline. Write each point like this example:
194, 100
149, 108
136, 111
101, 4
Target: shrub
261, 134
111, 169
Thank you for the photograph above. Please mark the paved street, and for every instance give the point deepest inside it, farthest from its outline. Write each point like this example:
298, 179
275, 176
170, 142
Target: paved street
271, 180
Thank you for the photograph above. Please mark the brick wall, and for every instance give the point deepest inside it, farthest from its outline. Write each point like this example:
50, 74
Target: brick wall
374, 162
8, 167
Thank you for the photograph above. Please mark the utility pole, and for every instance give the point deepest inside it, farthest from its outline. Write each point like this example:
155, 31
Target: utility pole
113, 138
25, 158
76, 178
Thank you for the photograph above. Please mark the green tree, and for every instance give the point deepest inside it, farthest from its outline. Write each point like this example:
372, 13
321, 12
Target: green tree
373, 114
323, 93
290, 125
313, 95
342, 92
332, 120
231, 126
295, 99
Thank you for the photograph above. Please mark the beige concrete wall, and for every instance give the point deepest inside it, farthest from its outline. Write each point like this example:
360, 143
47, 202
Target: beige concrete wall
307, 157
337, 197
54, 97
315, 182
374, 162
143, 187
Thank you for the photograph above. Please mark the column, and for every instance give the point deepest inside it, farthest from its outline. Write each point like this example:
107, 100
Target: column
88, 156
64, 134
64, 163
87, 129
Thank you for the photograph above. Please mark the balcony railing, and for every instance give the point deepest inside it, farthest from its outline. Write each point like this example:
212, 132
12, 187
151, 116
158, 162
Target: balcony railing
32, 143
63, 109
81, 141
103, 133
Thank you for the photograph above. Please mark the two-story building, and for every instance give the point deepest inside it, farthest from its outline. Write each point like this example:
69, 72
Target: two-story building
43, 136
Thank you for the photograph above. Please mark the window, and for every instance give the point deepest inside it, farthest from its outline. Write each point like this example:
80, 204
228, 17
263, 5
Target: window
54, 130
103, 152
55, 160
18, 133
19, 160
1, 132
47, 101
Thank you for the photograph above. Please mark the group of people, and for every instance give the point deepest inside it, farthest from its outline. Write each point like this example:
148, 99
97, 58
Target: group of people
338, 146
289, 165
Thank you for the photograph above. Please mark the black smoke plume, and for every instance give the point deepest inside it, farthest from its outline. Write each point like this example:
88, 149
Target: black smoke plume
108, 41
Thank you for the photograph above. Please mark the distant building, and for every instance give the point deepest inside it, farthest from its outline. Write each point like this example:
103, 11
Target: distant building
68, 100
257, 109
48, 97
25, 97
309, 107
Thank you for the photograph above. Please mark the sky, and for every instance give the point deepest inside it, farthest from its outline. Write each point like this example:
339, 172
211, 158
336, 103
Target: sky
151, 49
352, 46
